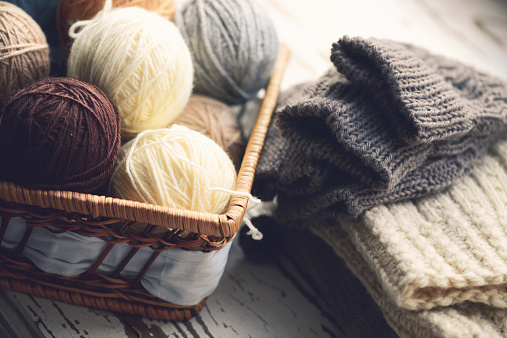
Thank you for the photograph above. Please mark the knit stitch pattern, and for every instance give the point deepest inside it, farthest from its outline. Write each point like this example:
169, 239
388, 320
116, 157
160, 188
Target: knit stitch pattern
392, 121
437, 265
460, 320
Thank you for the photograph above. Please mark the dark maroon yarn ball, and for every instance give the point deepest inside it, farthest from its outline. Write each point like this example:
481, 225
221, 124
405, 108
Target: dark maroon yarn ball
59, 134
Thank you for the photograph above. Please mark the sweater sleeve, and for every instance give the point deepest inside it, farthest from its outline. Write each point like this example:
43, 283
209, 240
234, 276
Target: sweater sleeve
435, 98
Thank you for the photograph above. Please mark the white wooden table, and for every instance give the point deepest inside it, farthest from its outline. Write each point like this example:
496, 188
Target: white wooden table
308, 292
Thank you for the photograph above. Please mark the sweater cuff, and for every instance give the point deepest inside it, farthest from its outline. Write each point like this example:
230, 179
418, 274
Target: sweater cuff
428, 108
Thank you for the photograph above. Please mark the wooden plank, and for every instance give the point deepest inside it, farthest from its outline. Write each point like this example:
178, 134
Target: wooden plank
14, 322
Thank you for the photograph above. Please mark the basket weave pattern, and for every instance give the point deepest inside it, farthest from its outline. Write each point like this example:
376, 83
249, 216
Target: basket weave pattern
110, 219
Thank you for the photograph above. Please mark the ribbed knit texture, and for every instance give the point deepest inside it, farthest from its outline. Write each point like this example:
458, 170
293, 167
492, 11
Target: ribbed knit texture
460, 320
436, 265
391, 122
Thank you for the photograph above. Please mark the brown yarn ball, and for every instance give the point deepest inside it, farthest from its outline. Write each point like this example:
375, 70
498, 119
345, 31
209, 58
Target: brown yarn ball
59, 134
71, 11
24, 52
216, 120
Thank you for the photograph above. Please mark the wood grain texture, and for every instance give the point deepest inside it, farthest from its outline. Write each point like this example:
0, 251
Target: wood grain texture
308, 292
251, 301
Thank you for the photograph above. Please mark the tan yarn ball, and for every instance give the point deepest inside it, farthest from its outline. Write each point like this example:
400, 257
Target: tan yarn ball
216, 120
24, 52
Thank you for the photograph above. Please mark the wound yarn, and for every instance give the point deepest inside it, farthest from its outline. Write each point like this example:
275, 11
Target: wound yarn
174, 167
139, 59
44, 13
70, 11
234, 47
24, 52
59, 134
216, 120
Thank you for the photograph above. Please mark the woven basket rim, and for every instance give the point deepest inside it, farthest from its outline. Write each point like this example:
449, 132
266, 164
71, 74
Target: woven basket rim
222, 225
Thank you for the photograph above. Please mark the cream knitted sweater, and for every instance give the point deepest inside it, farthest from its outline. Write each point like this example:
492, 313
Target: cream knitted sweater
436, 265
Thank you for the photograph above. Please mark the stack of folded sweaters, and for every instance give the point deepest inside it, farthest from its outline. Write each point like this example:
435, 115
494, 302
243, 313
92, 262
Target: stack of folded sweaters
396, 157
436, 265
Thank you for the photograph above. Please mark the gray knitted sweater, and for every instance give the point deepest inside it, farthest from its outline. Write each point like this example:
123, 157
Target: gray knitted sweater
390, 121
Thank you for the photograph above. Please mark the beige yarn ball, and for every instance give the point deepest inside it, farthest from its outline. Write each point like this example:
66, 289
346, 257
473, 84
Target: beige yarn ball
216, 120
174, 167
24, 52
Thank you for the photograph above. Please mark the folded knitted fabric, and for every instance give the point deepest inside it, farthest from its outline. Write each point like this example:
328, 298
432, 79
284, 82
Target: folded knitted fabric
395, 122
437, 265
460, 320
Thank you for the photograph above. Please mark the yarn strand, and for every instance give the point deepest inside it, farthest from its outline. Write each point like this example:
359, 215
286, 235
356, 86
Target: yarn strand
21, 49
254, 232
108, 5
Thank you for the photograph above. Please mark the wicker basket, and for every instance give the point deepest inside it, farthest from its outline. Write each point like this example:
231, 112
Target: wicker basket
110, 219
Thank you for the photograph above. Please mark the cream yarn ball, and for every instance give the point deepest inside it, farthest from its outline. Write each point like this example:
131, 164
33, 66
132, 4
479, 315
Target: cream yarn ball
175, 167
139, 59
